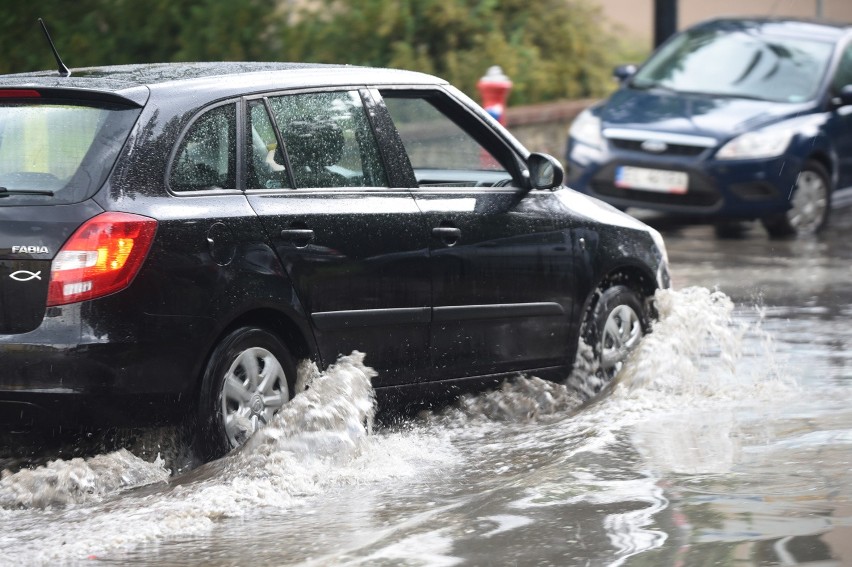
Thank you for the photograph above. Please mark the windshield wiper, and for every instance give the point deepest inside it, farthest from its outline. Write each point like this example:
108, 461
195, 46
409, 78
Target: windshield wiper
647, 86
728, 95
4, 192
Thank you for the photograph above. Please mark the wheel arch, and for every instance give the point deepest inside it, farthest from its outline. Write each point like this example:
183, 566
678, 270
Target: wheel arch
635, 277
273, 320
277, 323
826, 162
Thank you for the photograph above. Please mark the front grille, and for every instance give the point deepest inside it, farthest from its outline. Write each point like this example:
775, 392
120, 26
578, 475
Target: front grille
671, 149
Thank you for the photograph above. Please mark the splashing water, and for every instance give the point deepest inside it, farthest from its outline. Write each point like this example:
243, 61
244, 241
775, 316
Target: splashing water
330, 419
693, 325
318, 442
321, 441
694, 350
77, 481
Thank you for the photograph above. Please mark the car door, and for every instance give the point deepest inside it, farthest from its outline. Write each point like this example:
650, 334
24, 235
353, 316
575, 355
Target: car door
355, 249
501, 259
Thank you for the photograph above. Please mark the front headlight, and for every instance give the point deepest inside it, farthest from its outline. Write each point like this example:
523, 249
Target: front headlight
756, 145
586, 129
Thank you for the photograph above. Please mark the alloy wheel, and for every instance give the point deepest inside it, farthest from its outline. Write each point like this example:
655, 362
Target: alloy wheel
254, 389
621, 332
809, 202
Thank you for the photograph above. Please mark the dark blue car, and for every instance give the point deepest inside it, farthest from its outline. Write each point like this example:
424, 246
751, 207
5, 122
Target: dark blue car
728, 120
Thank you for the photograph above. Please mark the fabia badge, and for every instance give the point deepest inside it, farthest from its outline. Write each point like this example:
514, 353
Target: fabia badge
25, 276
30, 250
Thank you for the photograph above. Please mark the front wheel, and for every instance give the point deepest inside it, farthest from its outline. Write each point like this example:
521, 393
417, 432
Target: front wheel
614, 328
248, 379
809, 204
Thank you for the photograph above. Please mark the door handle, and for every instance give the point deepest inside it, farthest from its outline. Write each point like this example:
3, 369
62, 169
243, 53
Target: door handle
449, 235
300, 237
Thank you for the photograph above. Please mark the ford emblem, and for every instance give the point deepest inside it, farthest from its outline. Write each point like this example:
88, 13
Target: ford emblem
654, 146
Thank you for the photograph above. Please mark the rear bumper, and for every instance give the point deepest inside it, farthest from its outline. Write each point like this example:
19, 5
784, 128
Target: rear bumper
26, 410
68, 372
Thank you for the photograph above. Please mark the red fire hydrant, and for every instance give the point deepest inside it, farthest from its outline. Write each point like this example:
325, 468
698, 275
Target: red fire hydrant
494, 89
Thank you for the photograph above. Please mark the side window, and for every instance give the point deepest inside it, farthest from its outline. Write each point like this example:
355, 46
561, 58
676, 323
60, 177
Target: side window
440, 150
206, 157
328, 140
843, 76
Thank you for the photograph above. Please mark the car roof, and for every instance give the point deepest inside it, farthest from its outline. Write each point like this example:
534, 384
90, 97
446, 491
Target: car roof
800, 27
214, 79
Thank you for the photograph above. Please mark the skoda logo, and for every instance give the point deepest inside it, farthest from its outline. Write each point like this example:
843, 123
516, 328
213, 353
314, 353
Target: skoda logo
654, 146
25, 276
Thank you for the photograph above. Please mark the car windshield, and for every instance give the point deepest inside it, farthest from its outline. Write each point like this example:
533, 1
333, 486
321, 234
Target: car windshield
742, 62
58, 152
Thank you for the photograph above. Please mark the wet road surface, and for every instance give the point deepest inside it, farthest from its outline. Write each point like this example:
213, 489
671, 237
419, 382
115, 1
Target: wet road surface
726, 441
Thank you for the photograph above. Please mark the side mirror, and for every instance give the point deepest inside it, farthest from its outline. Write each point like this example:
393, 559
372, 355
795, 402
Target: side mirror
843, 98
624, 72
545, 171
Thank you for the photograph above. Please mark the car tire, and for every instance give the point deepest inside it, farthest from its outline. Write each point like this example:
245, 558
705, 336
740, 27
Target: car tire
614, 327
809, 204
248, 378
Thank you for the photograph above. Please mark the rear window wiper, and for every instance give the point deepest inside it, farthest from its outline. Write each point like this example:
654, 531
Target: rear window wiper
4, 192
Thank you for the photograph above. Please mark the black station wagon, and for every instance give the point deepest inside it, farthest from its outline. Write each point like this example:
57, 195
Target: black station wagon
175, 237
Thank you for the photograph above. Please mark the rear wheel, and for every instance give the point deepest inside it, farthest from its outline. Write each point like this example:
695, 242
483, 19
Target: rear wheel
614, 328
809, 204
248, 379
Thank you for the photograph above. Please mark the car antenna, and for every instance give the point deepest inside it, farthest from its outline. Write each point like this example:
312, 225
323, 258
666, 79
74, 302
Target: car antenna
63, 70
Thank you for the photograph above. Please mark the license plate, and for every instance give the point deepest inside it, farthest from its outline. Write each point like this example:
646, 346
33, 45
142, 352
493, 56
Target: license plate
644, 179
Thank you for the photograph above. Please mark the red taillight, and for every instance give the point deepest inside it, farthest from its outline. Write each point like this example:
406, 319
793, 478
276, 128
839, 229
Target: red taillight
19, 93
100, 258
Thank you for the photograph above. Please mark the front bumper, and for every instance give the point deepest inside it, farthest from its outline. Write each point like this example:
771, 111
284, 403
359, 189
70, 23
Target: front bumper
716, 188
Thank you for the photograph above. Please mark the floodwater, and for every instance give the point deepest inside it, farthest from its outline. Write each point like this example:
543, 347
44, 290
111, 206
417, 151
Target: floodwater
727, 440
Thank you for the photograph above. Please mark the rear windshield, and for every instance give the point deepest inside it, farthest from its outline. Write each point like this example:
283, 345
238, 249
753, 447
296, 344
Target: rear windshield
58, 152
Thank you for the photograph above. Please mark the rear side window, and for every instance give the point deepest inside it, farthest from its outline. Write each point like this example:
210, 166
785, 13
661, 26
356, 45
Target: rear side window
53, 152
328, 140
206, 158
